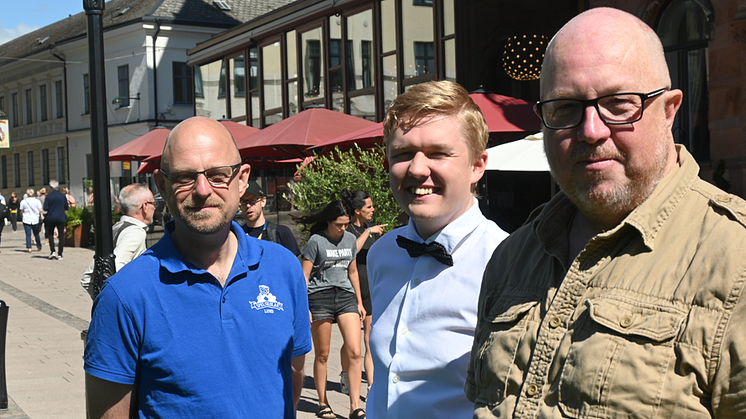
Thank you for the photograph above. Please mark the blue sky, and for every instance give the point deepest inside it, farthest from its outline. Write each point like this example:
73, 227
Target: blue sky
19, 17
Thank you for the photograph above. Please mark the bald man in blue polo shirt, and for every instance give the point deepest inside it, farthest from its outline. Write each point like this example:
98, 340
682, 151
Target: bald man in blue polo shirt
207, 322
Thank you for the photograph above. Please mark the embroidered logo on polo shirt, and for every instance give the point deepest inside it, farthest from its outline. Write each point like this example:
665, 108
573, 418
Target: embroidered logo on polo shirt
266, 301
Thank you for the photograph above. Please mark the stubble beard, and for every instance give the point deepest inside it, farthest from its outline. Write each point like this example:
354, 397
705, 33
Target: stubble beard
197, 221
617, 201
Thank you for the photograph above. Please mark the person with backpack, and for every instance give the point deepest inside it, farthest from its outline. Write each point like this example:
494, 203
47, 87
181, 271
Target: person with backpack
130, 232
252, 207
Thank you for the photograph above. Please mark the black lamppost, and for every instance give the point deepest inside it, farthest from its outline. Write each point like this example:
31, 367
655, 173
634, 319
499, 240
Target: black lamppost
94, 10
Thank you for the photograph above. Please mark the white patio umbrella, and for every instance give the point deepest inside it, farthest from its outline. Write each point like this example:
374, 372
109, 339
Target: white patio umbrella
525, 155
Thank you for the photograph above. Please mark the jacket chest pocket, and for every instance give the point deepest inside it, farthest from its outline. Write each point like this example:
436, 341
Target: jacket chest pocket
505, 352
618, 359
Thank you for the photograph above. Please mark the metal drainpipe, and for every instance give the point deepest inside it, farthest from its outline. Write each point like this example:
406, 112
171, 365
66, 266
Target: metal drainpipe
155, 70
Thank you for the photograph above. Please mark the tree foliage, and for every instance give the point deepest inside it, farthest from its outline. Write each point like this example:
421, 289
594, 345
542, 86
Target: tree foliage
353, 169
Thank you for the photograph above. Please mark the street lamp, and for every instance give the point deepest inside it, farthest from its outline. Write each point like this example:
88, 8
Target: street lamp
124, 100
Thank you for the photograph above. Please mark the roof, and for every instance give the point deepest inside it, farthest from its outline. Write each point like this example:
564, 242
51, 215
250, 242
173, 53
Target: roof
124, 12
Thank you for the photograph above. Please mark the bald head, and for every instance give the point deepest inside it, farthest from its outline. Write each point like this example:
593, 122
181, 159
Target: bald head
195, 134
611, 36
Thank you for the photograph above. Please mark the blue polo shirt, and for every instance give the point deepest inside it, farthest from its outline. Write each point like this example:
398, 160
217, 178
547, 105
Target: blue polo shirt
194, 348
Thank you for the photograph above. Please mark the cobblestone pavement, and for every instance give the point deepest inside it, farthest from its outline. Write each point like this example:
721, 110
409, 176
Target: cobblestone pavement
48, 310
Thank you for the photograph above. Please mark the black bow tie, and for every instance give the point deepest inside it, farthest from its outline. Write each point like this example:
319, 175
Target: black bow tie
434, 249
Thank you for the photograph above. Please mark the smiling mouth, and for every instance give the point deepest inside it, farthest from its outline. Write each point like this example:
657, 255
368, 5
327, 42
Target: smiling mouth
421, 191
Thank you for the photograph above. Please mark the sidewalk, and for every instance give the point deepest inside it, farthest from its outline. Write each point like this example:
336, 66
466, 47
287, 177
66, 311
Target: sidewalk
47, 311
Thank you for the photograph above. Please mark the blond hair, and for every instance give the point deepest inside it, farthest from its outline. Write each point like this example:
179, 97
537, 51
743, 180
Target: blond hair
425, 101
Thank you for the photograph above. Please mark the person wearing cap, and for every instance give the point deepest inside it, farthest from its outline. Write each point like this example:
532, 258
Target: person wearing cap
252, 206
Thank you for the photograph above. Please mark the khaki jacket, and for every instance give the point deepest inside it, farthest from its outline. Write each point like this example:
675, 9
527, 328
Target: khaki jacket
648, 321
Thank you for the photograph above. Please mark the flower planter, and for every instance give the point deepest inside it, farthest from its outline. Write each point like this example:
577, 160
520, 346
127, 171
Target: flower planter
79, 236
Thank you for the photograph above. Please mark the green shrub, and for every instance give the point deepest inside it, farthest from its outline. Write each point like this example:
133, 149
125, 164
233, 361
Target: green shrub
75, 217
353, 169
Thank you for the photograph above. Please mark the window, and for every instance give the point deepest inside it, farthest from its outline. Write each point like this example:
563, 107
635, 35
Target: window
58, 98
45, 166
198, 89
366, 51
2, 105
684, 29
424, 58
43, 104
221, 80
30, 168
183, 84
422, 2
61, 173
313, 67
123, 80
4, 171
29, 108
239, 77
86, 95
16, 170
14, 104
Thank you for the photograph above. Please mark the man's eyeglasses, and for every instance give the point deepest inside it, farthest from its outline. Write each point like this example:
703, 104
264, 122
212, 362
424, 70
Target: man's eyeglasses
250, 202
616, 109
148, 202
218, 177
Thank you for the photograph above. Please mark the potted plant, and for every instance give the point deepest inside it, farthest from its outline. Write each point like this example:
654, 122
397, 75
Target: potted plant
78, 226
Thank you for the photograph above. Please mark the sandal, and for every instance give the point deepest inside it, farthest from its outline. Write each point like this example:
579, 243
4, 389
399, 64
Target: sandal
357, 414
325, 411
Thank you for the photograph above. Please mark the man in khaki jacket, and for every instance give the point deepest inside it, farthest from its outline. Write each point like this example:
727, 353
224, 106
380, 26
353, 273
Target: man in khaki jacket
622, 297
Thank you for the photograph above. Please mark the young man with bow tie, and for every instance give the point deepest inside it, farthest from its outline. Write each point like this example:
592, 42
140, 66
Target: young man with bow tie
425, 277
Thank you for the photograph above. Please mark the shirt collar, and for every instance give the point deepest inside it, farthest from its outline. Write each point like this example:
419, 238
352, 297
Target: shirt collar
453, 234
133, 220
248, 255
551, 226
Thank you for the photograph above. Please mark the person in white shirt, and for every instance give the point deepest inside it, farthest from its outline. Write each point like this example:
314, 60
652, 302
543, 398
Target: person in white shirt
131, 231
425, 277
31, 209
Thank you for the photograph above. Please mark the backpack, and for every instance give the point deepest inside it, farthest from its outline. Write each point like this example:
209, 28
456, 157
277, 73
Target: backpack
3, 212
271, 231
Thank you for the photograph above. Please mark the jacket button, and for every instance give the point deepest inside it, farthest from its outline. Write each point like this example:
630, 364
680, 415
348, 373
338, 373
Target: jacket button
626, 321
555, 322
532, 390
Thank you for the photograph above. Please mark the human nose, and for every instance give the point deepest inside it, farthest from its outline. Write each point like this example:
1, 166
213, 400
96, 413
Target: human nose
418, 166
592, 128
201, 186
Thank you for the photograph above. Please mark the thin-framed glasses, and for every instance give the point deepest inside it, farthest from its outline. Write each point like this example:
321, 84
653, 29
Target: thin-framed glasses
615, 109
218, 177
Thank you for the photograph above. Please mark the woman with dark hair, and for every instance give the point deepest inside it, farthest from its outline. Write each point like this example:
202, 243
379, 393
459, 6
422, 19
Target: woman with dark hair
360, 207
333, 294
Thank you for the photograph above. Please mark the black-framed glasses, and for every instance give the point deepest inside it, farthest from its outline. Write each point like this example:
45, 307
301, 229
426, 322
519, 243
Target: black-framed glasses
615, 109
250, 202
149, 202
218, 177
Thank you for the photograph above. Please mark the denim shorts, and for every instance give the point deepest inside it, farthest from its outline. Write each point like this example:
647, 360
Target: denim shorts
330, 303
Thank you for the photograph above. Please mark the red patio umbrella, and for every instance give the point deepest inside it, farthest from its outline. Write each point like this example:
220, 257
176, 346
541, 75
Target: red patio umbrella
292, 136
506, 115
141, 147
366, 137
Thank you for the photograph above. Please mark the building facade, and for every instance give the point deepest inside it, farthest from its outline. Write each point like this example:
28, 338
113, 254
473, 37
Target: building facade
44, 86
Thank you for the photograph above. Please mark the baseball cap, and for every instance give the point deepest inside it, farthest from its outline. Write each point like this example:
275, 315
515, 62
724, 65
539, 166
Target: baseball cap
254, 188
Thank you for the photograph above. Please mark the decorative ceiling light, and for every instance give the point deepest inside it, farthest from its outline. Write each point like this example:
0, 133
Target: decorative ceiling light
523, 55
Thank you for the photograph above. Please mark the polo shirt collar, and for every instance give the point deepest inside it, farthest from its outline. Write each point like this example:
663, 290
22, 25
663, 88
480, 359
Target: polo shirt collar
248, 255
455, 233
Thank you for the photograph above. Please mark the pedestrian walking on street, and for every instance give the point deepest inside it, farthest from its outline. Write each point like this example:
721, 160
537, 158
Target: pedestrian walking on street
333, 295
31, 213
13, 205
55, 206
359, 205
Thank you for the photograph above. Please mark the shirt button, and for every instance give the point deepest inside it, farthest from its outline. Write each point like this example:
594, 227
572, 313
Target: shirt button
532, 390
404, 330
626, 321
224, 299
555, 322
395, 379
417, 281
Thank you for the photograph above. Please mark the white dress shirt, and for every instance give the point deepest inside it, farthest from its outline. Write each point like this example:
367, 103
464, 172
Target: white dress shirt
424, 316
